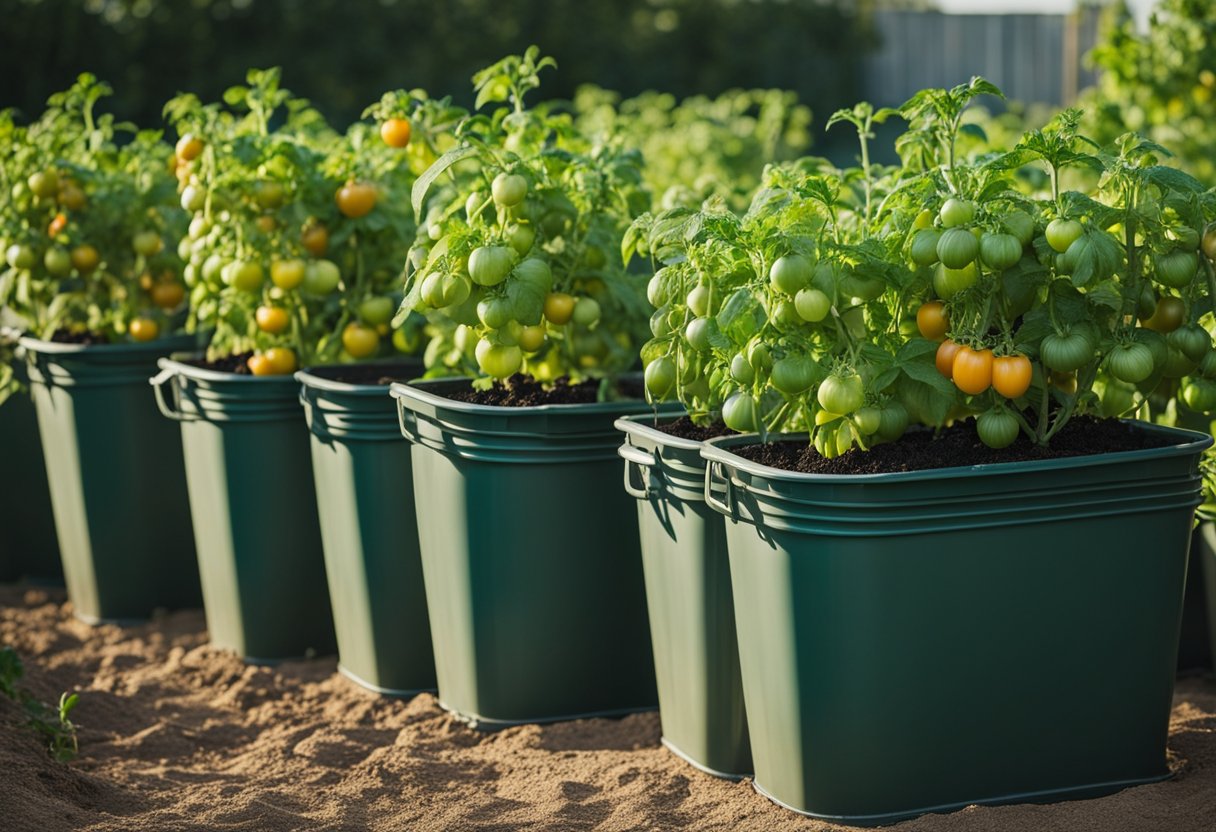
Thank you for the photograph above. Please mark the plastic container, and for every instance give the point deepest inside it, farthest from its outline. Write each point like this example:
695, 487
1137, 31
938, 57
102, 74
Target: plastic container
918, 642
255, 511
530, 557
1205, 553
29, 547
365, 496
688, 595
115, 474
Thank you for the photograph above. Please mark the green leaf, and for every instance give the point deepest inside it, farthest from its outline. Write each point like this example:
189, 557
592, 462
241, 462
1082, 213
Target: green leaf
741, 316
437, 168
1173, 179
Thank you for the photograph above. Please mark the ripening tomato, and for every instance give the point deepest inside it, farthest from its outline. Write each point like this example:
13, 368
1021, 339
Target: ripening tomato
498, 360
85, 258
282, 360
396, 132
972, 370
168, 294
188, 147
57, 224
532, 338
932, 320
272, 319
287, 274
71, 197
944, 359
1011, 375
144, 329
559, 308
44, 184
359, 340
245, 276
1208, 242
1168, 316
315, 239
147, 243
356, 199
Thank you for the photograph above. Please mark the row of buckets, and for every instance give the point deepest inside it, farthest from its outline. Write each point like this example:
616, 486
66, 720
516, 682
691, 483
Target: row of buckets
867, 648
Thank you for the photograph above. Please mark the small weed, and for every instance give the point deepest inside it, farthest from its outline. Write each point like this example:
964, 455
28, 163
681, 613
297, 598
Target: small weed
52, 723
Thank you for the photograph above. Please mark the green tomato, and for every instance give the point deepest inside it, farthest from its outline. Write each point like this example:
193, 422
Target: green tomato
759, 356
490, 265
376, 310
1131, 363
655, 292
660, 322
321, 277
868, 420
660, 377
57, 261
793, 374
1066, 353
499, 360
494, 312
1020, 225
812, 305
1192, 341
894, 421
1000, 251
739, 412
246, 276
21, 257
856, 285
1176, 269
586, 311
193, 198
697, 334
1177, 364
741, 369
472, 203
949, 282
790, 273
1156, 344
44, 184
520, 236
924, 247
956, 212
535, 273
998, 428
1062, 233
957, 248
509, 189
698, 301
841, 394
1200, 395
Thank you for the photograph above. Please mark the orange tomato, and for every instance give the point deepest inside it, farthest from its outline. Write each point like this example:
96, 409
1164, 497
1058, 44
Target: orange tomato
395, 132
972, 370
932, 320
315, 239
169, 294
85, 258
945, 357
282, 360
1011, 375
260, 365
359, 340
266, 223
189, 147
57, 225
272, 319
356, 199
144, 329
559, 307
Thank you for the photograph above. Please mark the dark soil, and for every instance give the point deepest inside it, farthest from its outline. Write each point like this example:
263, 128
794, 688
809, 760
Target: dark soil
958, 445
235, 364
523, 391
686, 428
89, 339
383, 374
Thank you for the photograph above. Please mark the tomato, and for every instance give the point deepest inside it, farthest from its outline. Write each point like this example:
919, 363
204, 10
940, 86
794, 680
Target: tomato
498, 360
57, 261
758, 356
790, 273
1116, 398
1168, 316
188, 147
972, 370
793, 374
85, 258
957, 247
72, 197
932, 320
1131, 363
1208, 243
321, 277
697, 334
956, 212
841, 394
660, 377
893, 421
532, 338
407, 339
997, 428
1066, 353
259, 365
395, 132
315, 239
1062, 233
193, 198
44, 184
855, 284
376, 310
268, 194
535, 273
1011, 375
509, 189
356, 199
360, 340
272, 319
520, 236
244, 275
147, 243
559, 307
282, 360
945, 356
1200, 395
741, 370
1155, 342
168, 294
144, 329
1208, 365
924, 247
21, 257
812, 305
1176, 269
698, 301
1000, 251
949, 282
490, 265
586, 311
286, 274
868, 420
1192, 341
1020, 225
739, 412
1177, 364
57, 224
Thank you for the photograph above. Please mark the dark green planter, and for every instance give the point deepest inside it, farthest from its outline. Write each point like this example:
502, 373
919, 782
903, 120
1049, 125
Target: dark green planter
688, 595
115, 474
365, 496
918, 642
255, 511
1206, 554
29, 547
1195, 646
530, 556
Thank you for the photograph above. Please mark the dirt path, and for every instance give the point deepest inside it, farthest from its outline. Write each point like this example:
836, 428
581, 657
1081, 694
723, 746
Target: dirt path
176, 736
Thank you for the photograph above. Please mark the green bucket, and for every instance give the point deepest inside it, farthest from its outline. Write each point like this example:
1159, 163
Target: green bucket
116, 479
688, 595
919, 642
530, 558
255, 511
29, 548
365, 496
1206, 554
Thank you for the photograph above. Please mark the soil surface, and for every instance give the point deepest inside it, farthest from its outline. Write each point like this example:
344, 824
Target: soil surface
686, 428
235, 364
376, 374
958, 445
176, 736
524, 391
89, 339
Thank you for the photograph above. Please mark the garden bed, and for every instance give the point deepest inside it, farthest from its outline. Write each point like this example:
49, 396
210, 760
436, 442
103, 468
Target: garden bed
175, 735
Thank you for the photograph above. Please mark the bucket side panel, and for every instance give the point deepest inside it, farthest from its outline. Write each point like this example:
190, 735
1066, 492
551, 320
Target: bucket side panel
28, 543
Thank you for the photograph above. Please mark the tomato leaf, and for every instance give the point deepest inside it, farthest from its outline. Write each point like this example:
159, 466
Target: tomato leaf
741, 316
424, 182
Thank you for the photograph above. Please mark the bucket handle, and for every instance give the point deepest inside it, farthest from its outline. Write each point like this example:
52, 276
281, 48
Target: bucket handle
158, 382
726, 506
407, 423
636, 459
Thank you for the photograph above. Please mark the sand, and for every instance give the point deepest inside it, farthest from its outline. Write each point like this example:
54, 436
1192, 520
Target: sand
175, 736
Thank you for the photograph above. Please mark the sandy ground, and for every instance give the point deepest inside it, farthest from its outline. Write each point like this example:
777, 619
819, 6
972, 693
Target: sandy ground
177, 736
